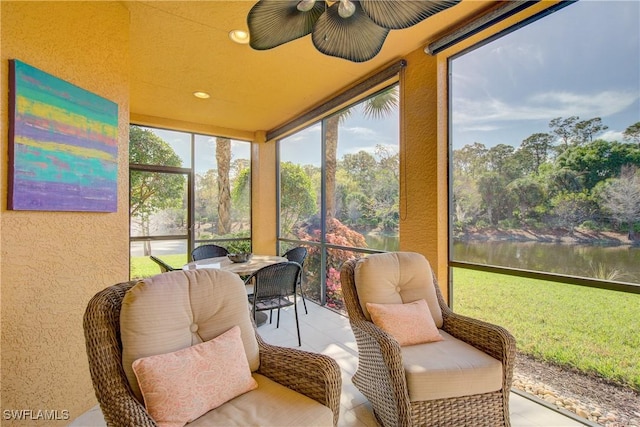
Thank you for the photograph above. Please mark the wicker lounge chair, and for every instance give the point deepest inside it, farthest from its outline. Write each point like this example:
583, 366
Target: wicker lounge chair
313, 375
384, 378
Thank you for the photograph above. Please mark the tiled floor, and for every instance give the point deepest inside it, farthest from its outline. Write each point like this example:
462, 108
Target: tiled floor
326, 332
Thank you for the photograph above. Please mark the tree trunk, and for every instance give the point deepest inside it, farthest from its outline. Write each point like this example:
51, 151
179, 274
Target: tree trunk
331, 142
223, 159
145, 232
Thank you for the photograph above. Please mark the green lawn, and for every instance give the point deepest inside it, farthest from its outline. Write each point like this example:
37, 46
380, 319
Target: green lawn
142, 266
593, 330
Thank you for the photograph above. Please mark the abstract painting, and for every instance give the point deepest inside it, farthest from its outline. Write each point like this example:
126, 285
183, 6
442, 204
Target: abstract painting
63, 145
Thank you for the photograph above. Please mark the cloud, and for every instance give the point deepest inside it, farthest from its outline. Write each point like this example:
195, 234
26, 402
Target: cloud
304, 134
361, 131
611, 135
542, 106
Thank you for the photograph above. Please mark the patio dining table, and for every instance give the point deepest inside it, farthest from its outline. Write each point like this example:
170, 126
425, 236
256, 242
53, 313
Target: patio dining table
241, 268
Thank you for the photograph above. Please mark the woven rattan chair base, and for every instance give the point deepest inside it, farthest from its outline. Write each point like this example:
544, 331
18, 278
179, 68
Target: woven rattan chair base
380, 376
315, 375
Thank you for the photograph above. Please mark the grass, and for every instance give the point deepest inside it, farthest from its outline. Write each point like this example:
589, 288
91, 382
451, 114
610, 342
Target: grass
142, 266
593, 330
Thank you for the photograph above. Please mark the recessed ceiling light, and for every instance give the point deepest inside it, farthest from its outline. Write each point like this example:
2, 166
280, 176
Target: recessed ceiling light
201, 95
239, 36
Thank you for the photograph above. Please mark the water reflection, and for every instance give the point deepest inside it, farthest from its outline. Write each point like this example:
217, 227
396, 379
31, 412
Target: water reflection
619, 263
389, 243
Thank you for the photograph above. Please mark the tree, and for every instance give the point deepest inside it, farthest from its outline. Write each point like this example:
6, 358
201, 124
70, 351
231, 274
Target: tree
632, 133
331, 147
562, 179
360, 167
585, 130
500, 159
572, 209
466, 200
151, 192
599, 160
621, 197
471, 160
297, 199
564, 129
375, 107
537, 146
206, 203
223, 160
241, 193
528, 192
495, 197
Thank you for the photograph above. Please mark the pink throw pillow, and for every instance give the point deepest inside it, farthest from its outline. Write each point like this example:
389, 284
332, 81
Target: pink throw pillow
409, 323
181, 386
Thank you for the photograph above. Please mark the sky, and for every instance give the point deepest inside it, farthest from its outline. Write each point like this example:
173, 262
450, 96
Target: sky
205, 152
356, 133
582, 60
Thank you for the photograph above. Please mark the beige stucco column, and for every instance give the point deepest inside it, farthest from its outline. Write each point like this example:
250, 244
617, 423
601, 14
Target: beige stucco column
263, 195
423, 161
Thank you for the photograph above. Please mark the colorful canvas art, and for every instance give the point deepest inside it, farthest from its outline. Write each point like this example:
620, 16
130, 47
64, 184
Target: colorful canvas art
63, 147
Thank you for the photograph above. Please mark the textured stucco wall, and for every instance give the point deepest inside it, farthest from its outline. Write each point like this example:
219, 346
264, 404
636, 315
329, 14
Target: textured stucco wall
423, 162
53, 262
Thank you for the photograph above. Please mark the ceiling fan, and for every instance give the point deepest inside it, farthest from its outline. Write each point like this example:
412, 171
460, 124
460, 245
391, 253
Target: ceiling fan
350, 29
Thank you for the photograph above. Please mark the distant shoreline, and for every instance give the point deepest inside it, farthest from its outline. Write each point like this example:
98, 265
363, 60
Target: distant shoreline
578, 237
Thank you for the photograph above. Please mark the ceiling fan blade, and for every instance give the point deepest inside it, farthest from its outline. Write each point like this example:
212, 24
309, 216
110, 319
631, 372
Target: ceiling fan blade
275, 22
356, 38
398, 14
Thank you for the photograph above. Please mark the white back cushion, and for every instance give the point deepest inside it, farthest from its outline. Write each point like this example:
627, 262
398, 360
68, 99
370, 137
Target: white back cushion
396, 278
178, 309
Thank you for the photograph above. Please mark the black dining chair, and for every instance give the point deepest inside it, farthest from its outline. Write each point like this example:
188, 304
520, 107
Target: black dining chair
299, 254
164, 267
273, 287
208, 251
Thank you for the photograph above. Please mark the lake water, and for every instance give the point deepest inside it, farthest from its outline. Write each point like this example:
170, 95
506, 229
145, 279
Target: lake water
617, 263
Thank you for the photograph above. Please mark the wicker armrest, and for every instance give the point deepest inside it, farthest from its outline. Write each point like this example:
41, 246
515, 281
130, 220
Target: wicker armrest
381, 358
492, 339
314, 375
117, 402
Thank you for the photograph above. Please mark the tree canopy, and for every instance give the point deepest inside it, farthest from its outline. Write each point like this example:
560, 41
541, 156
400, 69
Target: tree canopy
562, 178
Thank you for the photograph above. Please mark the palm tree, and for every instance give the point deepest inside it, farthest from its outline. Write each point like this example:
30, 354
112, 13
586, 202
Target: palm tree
376, 107
223, 159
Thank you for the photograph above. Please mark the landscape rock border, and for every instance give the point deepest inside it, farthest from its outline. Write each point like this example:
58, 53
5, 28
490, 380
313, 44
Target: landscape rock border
588, 396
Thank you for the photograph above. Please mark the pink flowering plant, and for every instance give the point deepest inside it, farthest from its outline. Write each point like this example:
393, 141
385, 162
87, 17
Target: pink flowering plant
337, 234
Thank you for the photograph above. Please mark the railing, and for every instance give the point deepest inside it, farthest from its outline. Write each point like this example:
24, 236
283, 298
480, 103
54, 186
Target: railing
321, 270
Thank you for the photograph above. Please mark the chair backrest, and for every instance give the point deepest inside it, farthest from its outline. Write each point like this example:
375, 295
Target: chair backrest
208, 251
164, 267
276, 280
298, 254
159, 315
390, 278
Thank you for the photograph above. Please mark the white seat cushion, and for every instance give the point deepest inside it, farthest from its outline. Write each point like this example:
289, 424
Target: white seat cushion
271, 404
449, 368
